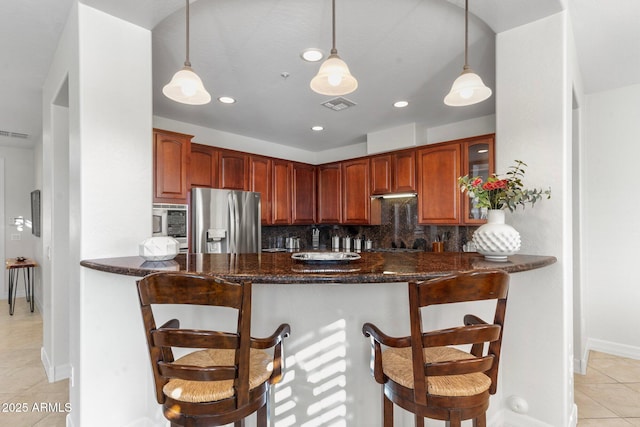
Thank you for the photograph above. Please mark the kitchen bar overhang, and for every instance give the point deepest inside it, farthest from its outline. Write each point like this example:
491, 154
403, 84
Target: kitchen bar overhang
327, 373
279, 267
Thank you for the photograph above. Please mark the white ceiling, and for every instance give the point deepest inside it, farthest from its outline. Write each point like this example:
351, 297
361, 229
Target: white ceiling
397, 49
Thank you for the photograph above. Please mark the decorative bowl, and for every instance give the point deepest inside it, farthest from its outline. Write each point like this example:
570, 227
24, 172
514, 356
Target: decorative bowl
325, 257
159, 248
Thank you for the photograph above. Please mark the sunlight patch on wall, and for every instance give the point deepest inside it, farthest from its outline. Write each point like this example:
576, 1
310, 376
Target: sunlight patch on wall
317, 368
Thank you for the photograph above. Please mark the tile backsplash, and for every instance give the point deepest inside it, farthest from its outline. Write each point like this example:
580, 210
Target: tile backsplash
398, 229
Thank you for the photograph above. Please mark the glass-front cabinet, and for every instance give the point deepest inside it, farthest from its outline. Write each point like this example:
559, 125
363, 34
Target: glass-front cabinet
477, 160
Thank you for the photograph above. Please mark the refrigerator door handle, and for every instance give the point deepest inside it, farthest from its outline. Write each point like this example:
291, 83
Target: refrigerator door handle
232, 224
236, 238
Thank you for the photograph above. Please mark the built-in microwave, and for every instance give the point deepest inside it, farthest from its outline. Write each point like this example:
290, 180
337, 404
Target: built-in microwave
173, 221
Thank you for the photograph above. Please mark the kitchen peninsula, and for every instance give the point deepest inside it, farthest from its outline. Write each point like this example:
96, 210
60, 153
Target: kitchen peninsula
327, 378
279, 267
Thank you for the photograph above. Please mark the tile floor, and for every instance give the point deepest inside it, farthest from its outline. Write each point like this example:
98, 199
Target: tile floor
607, 396
23, 382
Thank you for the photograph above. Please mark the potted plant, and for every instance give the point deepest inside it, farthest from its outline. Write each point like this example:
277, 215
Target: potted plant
495, 239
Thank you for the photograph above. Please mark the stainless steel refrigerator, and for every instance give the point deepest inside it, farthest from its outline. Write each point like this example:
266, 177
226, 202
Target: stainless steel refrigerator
225, 221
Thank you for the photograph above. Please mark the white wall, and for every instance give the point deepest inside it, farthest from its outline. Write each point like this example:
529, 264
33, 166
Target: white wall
464, 129
533, 125
54, 248
217, 138
108, 64
208, 136
18, 183
115, 169
577, 124
611, 233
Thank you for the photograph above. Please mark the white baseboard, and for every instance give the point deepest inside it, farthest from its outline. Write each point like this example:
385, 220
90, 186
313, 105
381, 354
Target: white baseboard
513, 419
616, 349
509, 418
146, 422
580, 365
573, 420
54, 373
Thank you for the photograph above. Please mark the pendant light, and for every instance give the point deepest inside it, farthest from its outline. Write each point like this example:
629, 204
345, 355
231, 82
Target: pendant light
185, 86
334, 77
468, 89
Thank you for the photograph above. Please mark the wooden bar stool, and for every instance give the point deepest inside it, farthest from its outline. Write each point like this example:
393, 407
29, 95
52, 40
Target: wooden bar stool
15, 265
424, 373
229, 377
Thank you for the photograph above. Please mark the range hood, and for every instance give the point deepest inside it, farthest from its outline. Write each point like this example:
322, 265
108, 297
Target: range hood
394, 195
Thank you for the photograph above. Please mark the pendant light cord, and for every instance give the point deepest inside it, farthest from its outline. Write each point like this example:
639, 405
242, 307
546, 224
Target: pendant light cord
334, 51
187, 63
466, 33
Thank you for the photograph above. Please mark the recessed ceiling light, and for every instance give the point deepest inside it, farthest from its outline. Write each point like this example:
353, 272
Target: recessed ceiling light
312, 55
226, 100
400, 104
317, 128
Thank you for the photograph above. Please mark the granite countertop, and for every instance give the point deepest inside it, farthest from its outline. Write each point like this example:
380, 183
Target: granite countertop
279, 267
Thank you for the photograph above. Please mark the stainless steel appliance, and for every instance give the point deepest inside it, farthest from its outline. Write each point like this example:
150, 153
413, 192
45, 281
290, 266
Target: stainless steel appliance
173, 221
225, 221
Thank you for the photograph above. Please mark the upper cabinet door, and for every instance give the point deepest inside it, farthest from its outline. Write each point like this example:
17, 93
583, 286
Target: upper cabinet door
204, 166
477, 160
171, 163
381, 174
260, 182
356, 196
234, 170
438, 193
404, 172
393, 173
303, 194
330, 194
281, 192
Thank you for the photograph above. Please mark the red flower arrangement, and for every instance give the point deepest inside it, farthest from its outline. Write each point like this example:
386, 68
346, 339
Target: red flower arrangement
500, 193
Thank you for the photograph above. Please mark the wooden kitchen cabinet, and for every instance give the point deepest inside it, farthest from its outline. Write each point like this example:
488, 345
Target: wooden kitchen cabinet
234, 170
171, 164
381, 174
260, 182
329, 193
403, 168
393, 172
440, 200
203, 169
477, 160
303, 193
356, 199
439, 167
281, 192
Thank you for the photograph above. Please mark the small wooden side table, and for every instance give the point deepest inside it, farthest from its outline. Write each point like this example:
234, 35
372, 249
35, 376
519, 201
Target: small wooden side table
14, 266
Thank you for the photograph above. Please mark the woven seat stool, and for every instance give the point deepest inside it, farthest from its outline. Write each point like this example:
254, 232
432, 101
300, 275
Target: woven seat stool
228, 375
429, 373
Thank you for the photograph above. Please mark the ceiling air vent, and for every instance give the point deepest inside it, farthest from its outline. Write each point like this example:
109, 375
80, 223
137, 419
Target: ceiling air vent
338, 104
13, 134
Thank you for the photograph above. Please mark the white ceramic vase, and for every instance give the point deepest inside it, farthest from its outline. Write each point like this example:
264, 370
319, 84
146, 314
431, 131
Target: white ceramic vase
495, 239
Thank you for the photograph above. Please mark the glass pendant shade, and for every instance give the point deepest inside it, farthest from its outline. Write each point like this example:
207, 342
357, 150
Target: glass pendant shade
468, 89
187, 88
185, 85
334, 78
